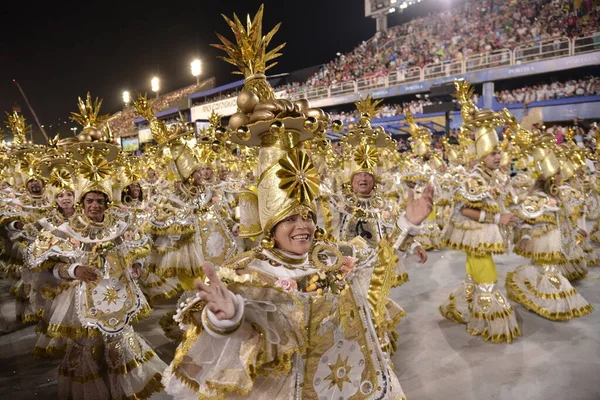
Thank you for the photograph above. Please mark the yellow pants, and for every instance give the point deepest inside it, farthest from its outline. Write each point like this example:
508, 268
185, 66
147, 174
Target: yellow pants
482, 269
187, 282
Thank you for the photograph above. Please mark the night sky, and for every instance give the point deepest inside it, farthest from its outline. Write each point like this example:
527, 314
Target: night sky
58, 52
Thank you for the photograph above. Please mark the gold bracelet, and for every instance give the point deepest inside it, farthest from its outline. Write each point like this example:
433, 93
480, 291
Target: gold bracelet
220, 331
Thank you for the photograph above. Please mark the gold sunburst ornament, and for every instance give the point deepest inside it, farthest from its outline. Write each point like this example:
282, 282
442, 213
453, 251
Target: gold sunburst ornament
298, 176
94, 168
366, 156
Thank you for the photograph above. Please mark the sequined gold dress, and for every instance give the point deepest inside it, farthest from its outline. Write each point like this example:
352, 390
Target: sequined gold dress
540, 286
303, 329
104, 358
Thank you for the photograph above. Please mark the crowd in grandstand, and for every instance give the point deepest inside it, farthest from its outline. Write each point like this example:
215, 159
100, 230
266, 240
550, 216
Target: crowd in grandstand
457, 34
556, 90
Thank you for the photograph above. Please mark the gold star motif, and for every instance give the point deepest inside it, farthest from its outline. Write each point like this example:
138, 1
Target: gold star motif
111, 295
339, 373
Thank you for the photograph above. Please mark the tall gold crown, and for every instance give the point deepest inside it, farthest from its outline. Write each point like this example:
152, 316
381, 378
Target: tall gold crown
250, 54
287, 178
89, 119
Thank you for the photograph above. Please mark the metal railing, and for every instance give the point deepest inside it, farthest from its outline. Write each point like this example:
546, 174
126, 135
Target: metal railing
492, 59
542, 50
524, 53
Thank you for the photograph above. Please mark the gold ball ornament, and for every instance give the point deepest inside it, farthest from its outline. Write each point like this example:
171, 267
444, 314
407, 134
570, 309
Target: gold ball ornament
311, 124
320, 234
221, 133
216, 146
237, 120
277, 128
267, 243
246, 101
95, 133
337, 126
84, 137
243, 133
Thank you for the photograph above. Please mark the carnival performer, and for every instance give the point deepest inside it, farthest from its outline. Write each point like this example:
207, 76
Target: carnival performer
289, 319
478, 227
99, 257
421, 168
359, 212
27, 205
547, 240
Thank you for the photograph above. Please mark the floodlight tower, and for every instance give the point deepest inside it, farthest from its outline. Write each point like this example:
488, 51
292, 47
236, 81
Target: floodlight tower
380, 9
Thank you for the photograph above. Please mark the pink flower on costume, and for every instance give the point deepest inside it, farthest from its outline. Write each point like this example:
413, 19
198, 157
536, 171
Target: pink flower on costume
75, 242
286, 284
348, 264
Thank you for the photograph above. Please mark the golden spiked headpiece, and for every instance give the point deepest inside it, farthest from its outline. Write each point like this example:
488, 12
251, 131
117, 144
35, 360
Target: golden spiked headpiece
16, 123
175, 143
364, 147
95, 153
288, 182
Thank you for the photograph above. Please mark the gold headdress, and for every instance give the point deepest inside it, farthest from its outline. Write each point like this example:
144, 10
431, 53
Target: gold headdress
287, 179
365, 147
25, 157
175, 143
59, 173
453, 152
18, 128
420, 136
482, 122
545, 161
93, 156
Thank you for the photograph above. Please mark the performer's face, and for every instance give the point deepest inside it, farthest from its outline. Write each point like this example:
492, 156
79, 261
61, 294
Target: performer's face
363, 183
492, 160
94, 205
151, 173
197, 177
65, 200
295, 234
223, 174
35, 187
4, 185
135, 191
207, 173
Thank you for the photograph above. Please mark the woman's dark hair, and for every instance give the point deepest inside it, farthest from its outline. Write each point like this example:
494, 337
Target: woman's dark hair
106, 199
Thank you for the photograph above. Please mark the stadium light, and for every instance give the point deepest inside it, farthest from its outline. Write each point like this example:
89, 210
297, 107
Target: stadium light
74, 131
393, 1
126, 97
196, 69
155, 85
392, 10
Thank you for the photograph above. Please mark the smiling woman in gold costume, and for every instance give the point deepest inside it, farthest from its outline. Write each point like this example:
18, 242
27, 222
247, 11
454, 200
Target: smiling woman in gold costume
296, 317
